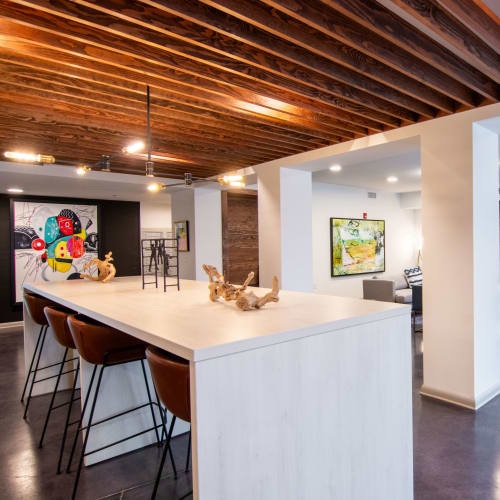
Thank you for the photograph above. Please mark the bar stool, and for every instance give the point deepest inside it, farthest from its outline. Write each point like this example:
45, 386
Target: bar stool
171, 377
104, 346
35, 305
57, 318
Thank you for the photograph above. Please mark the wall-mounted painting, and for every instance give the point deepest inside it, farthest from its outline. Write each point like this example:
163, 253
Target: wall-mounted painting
50, 241
357, 246
181, 229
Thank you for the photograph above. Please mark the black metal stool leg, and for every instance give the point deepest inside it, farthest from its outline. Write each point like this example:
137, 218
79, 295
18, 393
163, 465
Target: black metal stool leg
163, 457
68, 416
87, 433
189, 451
28, 375
84, 408
54, 392
150, 401
35, 371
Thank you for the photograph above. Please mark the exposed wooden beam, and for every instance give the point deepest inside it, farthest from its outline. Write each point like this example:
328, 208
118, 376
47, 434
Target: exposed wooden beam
482, 22
446, 29
252, 46
377, 18
151, 74
62, 73
292, 33
265, 116
196, 60
101, 114
332, 23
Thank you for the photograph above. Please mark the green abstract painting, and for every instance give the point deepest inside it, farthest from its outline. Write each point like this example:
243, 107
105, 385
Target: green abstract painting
357, 246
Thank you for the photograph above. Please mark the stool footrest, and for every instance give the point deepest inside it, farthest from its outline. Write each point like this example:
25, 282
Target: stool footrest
124, 439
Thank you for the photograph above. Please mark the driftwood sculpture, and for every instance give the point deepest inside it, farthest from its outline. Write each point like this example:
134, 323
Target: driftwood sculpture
220, 288
106, 270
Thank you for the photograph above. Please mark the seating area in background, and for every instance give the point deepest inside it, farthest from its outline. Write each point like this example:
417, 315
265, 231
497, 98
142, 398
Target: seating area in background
403, 289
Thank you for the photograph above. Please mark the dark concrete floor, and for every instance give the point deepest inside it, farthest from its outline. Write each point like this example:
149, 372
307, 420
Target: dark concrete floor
456, 451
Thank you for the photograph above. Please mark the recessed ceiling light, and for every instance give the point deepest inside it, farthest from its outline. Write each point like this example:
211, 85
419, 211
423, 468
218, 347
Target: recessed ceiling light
336, 168
392, 178
15, 190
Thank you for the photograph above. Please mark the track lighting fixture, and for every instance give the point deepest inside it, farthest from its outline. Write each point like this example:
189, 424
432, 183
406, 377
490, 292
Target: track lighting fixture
29, 157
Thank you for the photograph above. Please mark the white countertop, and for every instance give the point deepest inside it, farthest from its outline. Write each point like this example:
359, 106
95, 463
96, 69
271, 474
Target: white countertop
188, 324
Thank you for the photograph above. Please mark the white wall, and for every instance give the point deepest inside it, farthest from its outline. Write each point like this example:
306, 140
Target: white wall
156, 215
339, 201
183, 209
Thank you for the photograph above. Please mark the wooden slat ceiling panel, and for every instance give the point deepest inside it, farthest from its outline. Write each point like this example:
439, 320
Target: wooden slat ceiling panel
234, 83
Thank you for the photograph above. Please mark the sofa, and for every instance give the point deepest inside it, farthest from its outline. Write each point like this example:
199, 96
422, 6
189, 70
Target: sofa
391, 289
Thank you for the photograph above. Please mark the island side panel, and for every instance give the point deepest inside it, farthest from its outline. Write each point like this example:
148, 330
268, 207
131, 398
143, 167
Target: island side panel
52, 353
325, 416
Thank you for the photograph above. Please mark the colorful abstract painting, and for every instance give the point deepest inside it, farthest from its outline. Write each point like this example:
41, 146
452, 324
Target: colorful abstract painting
357, 246
182, 235
51, 242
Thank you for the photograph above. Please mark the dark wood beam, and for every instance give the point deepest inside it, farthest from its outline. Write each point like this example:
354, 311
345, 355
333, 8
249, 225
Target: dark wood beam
292, 33
481, 21
445, 28
332, 23
163, 99
252, 46
377, 18
54, 31
58, 72
163, 77
102, 114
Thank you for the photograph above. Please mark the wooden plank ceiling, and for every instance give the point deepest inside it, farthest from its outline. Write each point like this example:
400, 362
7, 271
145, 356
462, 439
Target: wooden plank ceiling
234, 82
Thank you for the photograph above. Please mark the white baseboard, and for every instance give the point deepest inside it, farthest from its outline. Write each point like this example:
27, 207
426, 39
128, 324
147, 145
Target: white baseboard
457, 400
11, 327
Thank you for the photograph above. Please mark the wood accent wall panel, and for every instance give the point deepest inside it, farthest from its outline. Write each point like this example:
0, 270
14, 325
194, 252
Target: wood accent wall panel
240, 236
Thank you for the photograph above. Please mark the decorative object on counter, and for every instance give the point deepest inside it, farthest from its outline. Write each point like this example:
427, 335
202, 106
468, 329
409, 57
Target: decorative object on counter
51, 241
357, 246
220, 288
106, 270
160, 256
181, 229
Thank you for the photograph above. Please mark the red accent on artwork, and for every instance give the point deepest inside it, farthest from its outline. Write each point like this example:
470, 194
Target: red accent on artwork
65, 225
365, 215
44, 257
38, 244
77, 247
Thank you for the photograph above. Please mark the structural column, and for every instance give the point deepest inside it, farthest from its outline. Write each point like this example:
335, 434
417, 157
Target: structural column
460, 215
285, 227
202, 208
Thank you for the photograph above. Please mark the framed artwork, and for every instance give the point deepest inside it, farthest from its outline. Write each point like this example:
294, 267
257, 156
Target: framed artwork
181, 229
357, 246
50, 241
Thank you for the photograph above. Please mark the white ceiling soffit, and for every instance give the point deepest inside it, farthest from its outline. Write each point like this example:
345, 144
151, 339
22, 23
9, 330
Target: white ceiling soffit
58, 180
373, 174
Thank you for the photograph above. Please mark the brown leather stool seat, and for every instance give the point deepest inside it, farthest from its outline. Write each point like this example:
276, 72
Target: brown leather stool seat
57, 317
35, 305
172, 381
171, 377
104, 347
99, 344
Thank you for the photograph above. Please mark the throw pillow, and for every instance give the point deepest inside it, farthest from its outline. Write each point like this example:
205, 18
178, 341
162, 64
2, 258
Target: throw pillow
414, 276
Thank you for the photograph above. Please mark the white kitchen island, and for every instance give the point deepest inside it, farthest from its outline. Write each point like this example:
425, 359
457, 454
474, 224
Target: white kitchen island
306, 399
